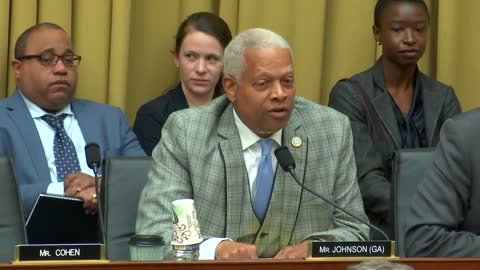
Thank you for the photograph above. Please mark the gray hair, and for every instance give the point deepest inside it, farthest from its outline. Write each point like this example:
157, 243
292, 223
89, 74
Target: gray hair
379, 265
233, 56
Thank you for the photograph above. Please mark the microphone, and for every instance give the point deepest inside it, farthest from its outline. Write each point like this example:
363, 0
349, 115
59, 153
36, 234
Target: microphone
286, 161
94, 159
92, 153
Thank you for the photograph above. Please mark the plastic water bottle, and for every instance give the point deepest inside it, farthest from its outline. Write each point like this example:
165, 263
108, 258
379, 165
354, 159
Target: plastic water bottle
186, 253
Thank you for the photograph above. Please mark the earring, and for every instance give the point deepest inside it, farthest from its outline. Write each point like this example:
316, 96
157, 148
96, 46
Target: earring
177, 65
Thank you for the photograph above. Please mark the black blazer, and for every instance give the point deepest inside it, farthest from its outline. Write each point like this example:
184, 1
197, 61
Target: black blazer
152, 116
374, 159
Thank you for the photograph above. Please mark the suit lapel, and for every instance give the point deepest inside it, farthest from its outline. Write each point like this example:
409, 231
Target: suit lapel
87, 120
432, 105
22, 119
292, 205
235, 173
383, 104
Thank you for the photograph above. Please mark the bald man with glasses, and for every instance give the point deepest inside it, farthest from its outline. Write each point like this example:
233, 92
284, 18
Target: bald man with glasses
44, 129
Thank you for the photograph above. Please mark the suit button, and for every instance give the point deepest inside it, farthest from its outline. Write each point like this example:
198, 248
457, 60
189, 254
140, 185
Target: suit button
263, 234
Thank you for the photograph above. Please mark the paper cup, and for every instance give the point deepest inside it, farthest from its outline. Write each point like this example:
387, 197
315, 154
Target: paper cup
186, 230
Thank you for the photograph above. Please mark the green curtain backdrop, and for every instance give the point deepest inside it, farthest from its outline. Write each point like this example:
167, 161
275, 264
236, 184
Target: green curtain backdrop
125, 44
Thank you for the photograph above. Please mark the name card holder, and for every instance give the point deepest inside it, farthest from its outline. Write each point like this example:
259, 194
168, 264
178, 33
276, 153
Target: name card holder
367, 250
60, 253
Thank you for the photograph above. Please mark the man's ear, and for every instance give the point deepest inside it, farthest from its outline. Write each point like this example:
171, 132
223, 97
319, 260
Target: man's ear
16, 65
230, 87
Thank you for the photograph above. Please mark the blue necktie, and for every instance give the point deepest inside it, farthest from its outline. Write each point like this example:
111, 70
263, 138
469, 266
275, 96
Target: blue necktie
263, 181
66, 159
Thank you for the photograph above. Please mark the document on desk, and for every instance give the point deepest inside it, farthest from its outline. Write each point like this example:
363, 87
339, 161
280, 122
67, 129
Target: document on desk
58, 219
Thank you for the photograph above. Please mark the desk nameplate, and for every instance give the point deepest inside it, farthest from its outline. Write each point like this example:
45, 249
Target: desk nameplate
59, 252
334, 250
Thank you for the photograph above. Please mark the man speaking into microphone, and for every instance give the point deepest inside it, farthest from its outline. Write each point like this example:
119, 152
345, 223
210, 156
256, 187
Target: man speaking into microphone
221, 156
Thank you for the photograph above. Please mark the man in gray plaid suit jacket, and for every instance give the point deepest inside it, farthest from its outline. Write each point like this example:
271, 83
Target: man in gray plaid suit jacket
210, 154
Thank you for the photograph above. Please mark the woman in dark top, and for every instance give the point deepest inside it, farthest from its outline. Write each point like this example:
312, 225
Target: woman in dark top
198, 55
392, 105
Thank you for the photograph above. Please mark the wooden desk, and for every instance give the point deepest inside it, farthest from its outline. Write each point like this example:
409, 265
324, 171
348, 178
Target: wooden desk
418, 264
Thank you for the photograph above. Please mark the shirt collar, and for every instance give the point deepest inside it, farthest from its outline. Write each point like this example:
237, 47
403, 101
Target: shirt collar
38, 112
248, 137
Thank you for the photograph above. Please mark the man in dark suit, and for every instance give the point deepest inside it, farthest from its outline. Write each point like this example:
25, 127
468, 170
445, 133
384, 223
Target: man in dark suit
45, 129
444, 219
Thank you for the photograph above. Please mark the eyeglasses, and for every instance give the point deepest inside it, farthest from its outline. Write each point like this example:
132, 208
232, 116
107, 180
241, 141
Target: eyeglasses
50, 59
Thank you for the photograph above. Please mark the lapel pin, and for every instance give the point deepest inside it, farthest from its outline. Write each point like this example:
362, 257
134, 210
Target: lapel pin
296, 141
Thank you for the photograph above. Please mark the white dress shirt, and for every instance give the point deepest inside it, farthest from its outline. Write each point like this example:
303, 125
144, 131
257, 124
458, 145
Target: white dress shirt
252, 153
47, 133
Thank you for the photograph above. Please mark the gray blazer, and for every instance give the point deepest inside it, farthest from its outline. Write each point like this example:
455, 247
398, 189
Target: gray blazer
100, 123
373, 159
444, 218
200, 157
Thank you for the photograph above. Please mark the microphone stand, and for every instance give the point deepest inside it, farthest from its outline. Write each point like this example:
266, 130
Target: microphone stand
99, 204
292, 172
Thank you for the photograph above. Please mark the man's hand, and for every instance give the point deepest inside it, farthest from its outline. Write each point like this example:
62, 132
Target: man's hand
89, 200
295, 252
75, 183
230, 250
83, 186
